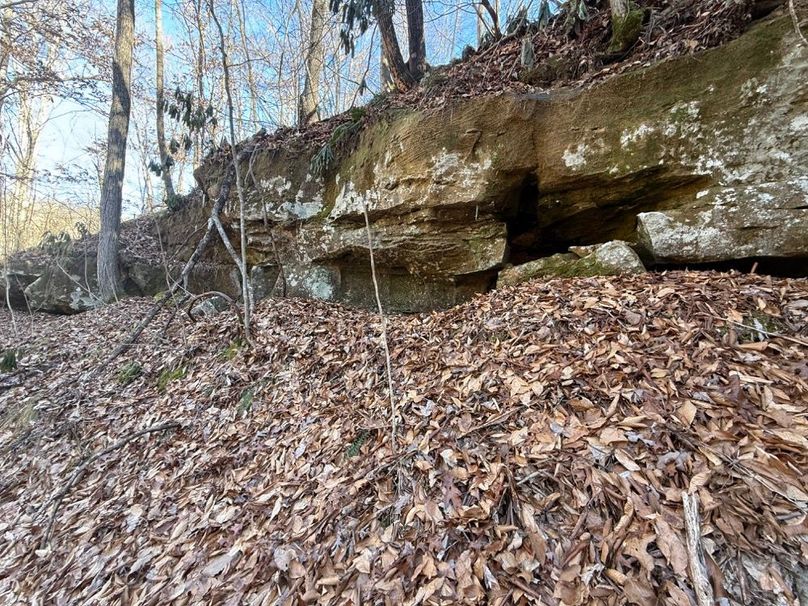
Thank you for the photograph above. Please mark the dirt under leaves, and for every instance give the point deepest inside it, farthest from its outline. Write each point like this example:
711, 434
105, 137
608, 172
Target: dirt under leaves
546, 434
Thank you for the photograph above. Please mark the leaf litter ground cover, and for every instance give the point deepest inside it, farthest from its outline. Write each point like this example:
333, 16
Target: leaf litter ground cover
547, 434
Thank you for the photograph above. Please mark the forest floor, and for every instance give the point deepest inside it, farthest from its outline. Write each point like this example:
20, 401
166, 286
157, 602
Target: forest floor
546, 438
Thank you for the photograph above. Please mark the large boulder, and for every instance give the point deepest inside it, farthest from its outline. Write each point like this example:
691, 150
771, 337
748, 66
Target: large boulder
693, 160
59, 291
766, 220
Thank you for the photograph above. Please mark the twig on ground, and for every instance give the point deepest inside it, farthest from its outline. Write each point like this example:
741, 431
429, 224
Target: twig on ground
382, 317
79, 472
133, 336
696, 563
796, 20
775, 335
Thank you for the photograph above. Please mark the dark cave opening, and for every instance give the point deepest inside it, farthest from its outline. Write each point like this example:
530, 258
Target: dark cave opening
526, 239
777, 267
539, 226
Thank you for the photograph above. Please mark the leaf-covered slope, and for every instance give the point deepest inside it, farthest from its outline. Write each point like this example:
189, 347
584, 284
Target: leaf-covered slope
546, 435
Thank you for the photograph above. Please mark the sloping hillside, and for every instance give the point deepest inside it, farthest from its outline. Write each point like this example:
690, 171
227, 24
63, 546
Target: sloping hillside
546, 435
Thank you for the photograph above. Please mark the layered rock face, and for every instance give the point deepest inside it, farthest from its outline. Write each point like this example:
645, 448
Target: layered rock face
695, 160
692, 161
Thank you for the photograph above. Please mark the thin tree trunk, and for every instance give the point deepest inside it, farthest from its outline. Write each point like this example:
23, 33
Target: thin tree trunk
112, 189
493, 14
386, 78
480, 24
415, 33
237, 92
399, 72
246, 287
201, 62
5, 53
31, 120
248, 59
619, 7
309, 106
165, 159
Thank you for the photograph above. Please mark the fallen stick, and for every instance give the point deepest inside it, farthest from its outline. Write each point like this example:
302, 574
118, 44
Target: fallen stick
696, 564
79, 472
774, 335
797, 26
133, 336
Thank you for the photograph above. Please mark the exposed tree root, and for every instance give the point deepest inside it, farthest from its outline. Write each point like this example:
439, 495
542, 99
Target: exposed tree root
79, 472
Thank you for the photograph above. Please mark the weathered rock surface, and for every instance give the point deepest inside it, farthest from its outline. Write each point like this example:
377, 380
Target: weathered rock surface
693, 160
66, 283
766, 220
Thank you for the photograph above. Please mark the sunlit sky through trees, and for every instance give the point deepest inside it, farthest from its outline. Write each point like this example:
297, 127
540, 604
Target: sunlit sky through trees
273, 33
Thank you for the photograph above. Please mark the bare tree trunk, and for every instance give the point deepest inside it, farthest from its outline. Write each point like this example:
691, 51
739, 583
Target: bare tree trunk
5, 53
118, 131
246, 286
250, 74
480, 21
165, 159
399, 73
309, 107
493, 14
619, 7
31, 119
415, 33
385, 77
199, 68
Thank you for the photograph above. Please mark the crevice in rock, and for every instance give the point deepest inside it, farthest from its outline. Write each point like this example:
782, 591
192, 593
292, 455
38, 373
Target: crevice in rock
596, 210
525, 240
778, 267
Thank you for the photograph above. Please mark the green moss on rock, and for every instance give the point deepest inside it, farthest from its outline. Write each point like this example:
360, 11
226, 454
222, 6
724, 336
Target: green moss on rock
626, 30
608, 259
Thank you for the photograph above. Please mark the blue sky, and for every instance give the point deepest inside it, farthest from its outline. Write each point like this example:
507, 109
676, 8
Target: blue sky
450, 26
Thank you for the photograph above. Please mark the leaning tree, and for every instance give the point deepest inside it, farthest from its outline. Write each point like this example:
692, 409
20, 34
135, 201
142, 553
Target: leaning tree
356, 17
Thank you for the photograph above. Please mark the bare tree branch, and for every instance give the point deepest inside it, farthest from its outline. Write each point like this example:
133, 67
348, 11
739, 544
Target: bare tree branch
16, 3
79, 472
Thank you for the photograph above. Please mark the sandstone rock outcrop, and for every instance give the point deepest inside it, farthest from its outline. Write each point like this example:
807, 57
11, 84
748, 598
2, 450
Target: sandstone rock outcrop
694, 160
